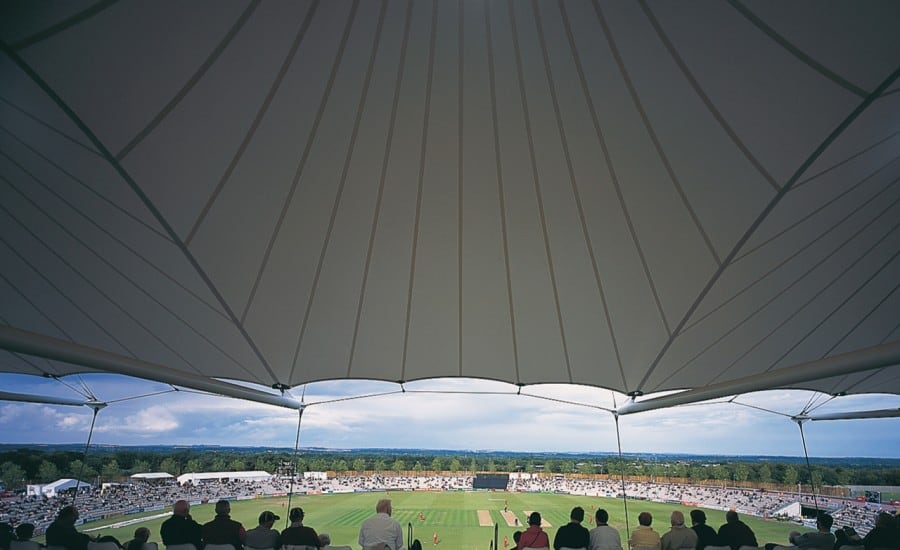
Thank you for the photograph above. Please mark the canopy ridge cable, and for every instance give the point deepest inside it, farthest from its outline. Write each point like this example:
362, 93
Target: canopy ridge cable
823, 403
137, 286
66, 23
807, 245
90, 219
846, 160
152, 394
287, 520
795, 51
762, 409
798, 280
192, 81
96, 406
856, 325
251, 131
46, 125
142, 196
85, 394
566, 402
100, 196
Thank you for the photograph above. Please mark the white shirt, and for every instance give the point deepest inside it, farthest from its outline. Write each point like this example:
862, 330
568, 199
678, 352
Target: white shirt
381, 528
604, 537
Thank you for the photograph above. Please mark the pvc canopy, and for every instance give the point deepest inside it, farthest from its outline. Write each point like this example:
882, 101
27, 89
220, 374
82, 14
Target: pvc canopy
638, 195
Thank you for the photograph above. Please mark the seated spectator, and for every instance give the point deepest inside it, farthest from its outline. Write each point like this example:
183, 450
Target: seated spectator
222, 529
141, 536
678, 536
706, 535
534, 536
846, 537
6, 534
181, 528
263, 536
885, 534
735, 533
62, 531
324, 541
517, 536
573, 534
381, 528
644, 536
604, 537
298, 534
110, 538
24, 531
820, 539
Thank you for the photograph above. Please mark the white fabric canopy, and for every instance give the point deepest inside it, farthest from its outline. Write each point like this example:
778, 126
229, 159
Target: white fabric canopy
637, 195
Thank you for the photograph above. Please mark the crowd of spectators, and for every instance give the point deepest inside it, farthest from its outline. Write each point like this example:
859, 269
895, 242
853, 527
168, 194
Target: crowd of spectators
141, 496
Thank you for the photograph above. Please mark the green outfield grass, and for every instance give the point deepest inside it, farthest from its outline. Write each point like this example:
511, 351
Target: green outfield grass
452, 515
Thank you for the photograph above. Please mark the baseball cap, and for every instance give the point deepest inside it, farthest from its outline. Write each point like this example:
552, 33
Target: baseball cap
267, 516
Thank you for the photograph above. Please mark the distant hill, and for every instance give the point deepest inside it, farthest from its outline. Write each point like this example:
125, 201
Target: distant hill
481, 453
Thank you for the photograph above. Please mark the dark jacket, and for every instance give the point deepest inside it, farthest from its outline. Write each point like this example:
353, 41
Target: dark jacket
224, 530
736, 534
66, 535
181, 530
706, 536
572, 535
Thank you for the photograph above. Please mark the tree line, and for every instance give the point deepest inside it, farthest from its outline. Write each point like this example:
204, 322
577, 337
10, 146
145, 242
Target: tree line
23, 466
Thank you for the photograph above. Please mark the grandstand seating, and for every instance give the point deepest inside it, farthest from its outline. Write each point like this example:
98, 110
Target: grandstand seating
141, 496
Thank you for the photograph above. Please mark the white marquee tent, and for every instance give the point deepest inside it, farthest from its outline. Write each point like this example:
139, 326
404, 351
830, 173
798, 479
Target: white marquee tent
644, 196
55, 488
200, 477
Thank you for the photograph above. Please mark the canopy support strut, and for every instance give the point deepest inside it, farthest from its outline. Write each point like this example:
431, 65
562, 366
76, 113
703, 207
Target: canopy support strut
800, 419
294, 463
875, 357
622, 465
31, 343
96, 406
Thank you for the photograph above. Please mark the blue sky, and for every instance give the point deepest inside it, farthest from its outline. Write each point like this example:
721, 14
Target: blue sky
444, 420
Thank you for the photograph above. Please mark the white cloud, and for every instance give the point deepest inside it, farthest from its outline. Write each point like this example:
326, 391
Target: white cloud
449, 413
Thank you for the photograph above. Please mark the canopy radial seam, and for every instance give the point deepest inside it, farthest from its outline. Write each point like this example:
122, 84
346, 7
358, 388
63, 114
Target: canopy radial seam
535, 178
420, 184
351, 148
382, 180
623, 72
192, 81
301, 167
504, 224
257, 120
692, 80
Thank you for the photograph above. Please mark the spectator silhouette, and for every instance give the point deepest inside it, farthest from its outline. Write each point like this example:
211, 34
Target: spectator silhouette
181, 528
644, 536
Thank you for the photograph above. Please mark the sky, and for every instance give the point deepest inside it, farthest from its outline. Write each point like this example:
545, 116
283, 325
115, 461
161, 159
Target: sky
461, 414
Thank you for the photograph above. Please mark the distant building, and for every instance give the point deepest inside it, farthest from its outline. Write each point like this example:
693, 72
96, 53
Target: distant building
55, 488
153, 476
201, 477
